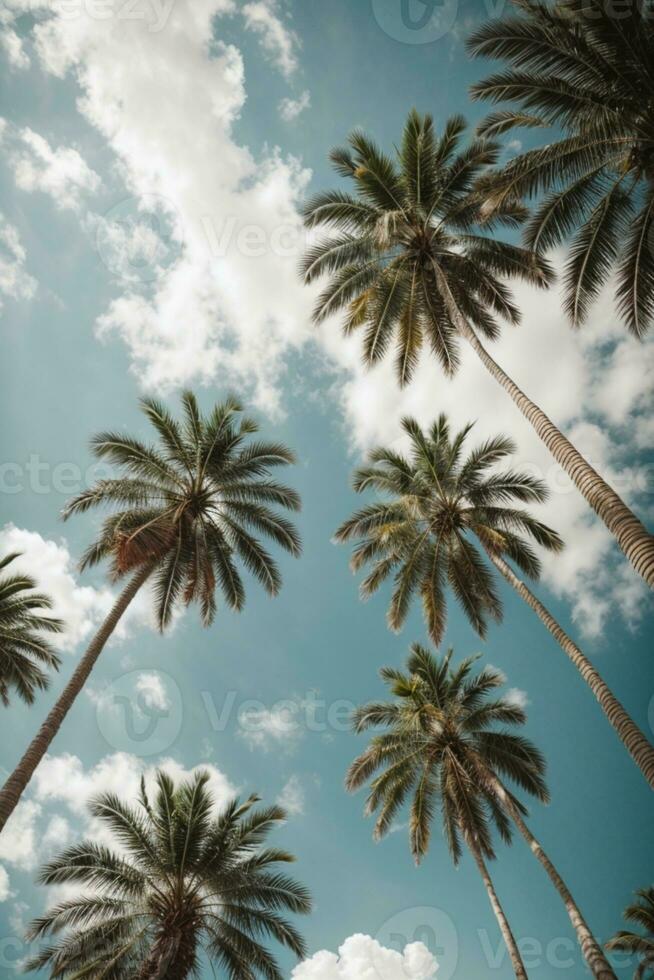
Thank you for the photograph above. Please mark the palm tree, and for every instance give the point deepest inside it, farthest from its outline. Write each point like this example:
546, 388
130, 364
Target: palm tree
642, 914
185, 513
447, 514
409, 258
582, 69
185, 881
24, 649
440, 744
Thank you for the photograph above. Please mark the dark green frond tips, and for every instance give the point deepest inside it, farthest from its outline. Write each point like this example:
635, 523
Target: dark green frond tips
445, 511
27, 656
443, 744
195, 505
191, 879
406, 255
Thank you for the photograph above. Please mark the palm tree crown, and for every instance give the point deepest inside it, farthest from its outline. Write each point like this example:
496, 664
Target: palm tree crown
589, 70
404, 254
185, 882
24, 648
438, 505
191, 506
440, 745
641, 913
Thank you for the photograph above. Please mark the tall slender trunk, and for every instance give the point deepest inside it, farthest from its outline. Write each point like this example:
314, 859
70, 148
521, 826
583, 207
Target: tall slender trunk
631, 534
15, 786
641, 751
507, 934
592, 951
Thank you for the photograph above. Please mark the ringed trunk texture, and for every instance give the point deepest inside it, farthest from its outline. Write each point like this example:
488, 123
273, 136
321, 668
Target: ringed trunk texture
592, 951
641, 751
507, 933
16, 783
167, 961
631, 534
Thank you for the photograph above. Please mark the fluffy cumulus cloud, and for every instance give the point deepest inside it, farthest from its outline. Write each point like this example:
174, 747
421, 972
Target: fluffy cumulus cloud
290, 109
228, 303
277, 39
5, 890
60, 172
55, 812
204, 239
82, 607
264, 728
15, 281
292, 796
363, 958
593, 383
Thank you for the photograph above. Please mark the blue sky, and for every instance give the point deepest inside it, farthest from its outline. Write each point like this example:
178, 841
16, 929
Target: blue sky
150, 177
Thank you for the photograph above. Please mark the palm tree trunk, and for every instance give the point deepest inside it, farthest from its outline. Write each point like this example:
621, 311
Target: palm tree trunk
632, 536
507, 934
15, 786
590, 948
641, 751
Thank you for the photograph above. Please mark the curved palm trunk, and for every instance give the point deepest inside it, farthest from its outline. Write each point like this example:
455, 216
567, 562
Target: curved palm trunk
631, 534
15, 786
507, 934
592, 951
641, 751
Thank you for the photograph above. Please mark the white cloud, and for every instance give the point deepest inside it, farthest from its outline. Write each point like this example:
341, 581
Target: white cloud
267, 728
154, 693
62, 172
362, 958
290, 109
592, 383
13, 47
262, 16
230, 305
56, 810
81, 607
517, 696
15, 282
292, 796
19, 840
5, 891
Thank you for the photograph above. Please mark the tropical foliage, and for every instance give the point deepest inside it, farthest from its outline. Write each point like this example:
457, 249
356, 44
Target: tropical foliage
442, 510
445, 743
185, 881
588, 69
411, 262
26, 654
447, 518
192, 506
405, 256
640, 944
186, 512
